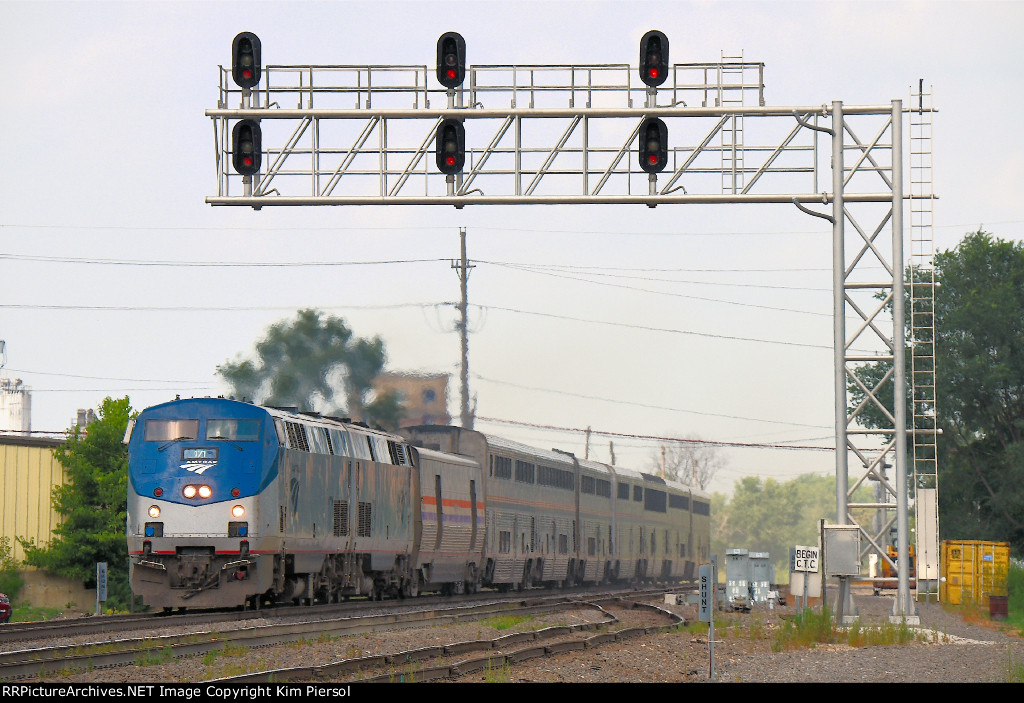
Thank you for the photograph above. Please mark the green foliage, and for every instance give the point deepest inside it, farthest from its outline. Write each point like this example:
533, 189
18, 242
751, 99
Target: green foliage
807, 629
92, 505
979, 367
769, 516
32, 613
313, 363
505, 622
1015, 593
10, 578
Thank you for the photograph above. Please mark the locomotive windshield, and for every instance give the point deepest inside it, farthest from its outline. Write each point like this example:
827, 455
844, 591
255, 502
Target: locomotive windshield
233, 430
170, 430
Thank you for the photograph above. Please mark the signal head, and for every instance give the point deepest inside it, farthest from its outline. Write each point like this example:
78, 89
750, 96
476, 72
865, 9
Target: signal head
247, 147
450, 146
654, 58
451, 59
245, 60
653, 147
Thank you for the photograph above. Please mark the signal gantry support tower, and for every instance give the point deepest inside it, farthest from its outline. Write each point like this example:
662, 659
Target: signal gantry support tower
689, 133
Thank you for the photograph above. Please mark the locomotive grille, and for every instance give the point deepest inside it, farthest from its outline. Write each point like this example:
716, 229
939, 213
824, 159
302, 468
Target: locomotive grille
297, 436
365, 516
341, 518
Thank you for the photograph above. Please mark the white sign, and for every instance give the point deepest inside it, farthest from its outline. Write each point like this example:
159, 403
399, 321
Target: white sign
705, 612
806, 559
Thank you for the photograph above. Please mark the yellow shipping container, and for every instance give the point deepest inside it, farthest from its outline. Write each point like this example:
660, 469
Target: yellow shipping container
972, 570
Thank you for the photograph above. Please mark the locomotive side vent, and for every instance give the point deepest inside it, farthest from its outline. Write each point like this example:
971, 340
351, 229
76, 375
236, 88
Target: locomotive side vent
297, 436
341, 518
365, 519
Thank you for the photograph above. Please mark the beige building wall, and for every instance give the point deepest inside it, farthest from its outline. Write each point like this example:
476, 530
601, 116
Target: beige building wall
28, 473
424, 396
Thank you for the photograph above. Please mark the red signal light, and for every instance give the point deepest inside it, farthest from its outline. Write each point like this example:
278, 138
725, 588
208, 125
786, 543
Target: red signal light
158, 492
451, 59
245, 60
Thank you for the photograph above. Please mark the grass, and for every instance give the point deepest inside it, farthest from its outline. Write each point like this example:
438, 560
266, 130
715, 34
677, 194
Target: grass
1014, 671
32, 613
501, 674
807, 630
506, 622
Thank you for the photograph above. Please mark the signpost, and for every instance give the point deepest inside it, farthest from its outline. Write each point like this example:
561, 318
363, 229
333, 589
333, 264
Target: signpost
805, 561
101, 585
706, 611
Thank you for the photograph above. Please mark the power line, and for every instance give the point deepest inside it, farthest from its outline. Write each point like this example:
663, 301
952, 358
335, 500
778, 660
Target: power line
209, 264
654, 329
645, 405
682, 295
657, 438
214, 308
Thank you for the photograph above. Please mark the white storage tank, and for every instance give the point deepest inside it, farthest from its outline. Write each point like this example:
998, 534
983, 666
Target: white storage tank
15, 406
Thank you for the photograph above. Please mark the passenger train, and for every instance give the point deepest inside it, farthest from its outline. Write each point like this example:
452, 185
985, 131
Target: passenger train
233, 504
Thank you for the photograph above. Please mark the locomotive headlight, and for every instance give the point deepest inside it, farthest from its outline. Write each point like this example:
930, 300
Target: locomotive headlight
237, 511
205, 492
154, 511
189, 491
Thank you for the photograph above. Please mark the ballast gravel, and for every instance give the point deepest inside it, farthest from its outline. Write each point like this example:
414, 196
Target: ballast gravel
949, 649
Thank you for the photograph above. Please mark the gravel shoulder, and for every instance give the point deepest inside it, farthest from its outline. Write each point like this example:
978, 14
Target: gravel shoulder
951, 651
948, 650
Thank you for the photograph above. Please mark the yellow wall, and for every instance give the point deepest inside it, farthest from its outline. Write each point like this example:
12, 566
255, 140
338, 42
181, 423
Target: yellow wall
28, 473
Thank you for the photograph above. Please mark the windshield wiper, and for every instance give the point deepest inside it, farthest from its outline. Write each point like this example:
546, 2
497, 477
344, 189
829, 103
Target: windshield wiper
170, 442
225, 439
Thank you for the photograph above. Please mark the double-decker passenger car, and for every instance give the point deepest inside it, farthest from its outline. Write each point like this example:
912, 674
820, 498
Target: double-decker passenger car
553, 518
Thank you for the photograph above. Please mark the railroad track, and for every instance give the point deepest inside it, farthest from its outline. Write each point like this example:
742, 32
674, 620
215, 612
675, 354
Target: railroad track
316, 623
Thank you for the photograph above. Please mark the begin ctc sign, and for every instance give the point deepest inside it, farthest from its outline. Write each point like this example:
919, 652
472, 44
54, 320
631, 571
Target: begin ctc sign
805, 559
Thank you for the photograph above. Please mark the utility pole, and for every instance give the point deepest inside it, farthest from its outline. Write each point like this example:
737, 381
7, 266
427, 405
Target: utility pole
463, 268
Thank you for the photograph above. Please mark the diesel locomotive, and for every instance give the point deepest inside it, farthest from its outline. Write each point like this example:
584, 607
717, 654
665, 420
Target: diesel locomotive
236, 504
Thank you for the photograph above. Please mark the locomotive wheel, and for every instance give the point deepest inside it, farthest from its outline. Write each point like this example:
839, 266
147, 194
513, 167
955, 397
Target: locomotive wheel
411, 588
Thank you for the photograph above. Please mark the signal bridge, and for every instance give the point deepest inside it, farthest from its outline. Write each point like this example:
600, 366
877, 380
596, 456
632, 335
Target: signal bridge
366, 135
656, 134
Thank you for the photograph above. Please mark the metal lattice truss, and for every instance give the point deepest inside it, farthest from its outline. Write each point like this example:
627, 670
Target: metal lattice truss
358, 135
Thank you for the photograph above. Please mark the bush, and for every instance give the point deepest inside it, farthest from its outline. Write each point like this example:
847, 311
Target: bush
10, 576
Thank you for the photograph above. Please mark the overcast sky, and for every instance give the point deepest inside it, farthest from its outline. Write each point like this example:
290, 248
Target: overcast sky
710, 321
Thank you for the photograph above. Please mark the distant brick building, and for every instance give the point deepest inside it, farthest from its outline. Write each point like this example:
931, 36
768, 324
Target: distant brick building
424, 397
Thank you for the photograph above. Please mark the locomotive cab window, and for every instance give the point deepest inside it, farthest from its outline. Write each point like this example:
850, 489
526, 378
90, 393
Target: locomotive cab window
233, 430
171, 430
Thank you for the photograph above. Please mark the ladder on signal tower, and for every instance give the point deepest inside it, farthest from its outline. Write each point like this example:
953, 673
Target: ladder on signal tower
730, 76
922, 337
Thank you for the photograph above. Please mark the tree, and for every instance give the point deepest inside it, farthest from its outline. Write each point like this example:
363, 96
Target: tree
979, 326
93, 505
773, 517
313, 362
979, 369
690, 461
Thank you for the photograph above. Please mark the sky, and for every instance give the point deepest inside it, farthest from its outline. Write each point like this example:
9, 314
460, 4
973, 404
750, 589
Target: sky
709, 321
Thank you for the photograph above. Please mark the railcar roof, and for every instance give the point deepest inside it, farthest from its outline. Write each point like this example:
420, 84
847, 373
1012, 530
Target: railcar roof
290, 414
508, 445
